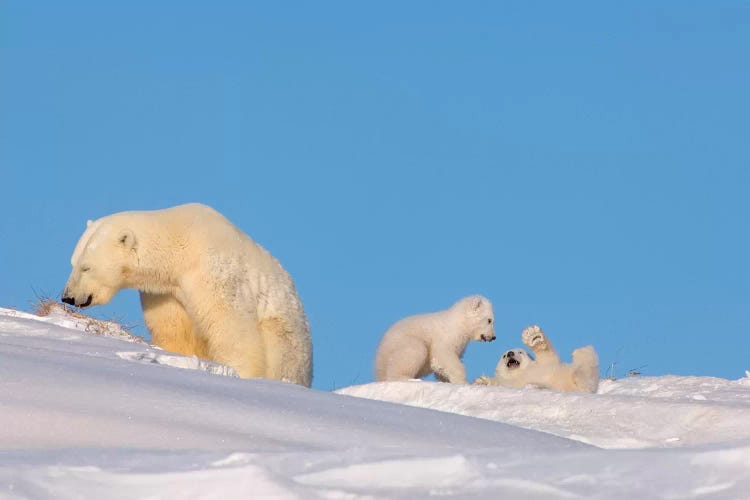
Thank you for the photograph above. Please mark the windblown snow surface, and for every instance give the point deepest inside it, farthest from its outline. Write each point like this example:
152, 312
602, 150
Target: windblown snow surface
101, 416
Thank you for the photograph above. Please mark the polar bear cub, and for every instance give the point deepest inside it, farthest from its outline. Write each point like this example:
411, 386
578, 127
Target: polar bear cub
517, 369
434, 342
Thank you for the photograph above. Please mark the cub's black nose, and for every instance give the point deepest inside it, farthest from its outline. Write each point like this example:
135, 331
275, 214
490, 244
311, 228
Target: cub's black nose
511, 354
69, 300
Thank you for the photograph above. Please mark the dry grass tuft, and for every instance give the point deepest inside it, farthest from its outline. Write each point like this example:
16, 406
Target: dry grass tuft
47, 307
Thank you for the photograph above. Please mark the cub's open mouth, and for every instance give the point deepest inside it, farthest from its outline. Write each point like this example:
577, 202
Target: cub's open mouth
513, 363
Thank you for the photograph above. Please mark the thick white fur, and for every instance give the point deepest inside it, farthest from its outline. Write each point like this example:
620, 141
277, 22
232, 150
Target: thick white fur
434, 342
547, 371
206, 288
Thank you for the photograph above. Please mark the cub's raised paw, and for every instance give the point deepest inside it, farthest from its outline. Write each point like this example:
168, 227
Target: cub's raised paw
483, 380
534, 337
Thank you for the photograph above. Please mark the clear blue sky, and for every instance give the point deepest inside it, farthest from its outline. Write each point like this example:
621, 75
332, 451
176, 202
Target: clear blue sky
585, 165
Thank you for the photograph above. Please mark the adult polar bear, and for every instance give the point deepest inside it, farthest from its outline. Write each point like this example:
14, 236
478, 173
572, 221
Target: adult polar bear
206, 288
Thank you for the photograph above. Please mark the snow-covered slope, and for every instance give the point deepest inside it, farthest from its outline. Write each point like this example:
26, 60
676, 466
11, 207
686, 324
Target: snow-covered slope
94, 416
637, 412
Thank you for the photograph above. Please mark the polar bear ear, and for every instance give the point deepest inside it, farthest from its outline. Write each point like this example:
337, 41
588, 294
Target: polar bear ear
126, 238
476, 303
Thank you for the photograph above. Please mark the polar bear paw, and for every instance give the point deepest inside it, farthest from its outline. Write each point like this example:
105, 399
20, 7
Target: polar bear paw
534, 337
483, 380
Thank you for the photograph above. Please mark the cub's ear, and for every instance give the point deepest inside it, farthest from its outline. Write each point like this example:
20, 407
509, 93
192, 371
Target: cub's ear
89, 222
126, 238
476, 303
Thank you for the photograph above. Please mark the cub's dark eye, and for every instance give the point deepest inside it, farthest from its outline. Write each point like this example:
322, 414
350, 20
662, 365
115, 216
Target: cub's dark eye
489, 320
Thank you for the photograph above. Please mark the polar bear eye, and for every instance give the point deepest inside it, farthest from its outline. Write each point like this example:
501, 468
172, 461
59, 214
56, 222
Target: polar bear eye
489, 320
85, 269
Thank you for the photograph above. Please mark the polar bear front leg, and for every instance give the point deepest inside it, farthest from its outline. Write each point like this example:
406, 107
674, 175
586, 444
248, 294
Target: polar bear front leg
170, 326
406, 361
237, 343
231, 333
485, 380
536, 340
448, 367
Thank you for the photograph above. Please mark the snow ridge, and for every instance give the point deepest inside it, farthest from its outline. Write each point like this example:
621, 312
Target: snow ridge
99, 416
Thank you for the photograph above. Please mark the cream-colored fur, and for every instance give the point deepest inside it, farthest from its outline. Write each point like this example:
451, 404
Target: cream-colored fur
517, 369
434, 342
206, 288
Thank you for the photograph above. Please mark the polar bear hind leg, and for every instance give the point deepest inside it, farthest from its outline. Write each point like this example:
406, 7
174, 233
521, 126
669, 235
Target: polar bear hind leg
286, 359
586, 369
406, 362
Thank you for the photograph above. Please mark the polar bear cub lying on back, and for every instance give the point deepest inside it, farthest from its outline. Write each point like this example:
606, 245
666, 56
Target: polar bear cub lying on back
434, 342
517, 369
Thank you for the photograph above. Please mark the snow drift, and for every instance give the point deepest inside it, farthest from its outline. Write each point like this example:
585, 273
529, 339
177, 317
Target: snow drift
89, 415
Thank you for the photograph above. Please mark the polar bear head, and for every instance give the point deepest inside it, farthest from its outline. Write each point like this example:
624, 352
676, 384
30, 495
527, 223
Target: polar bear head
478, 316
102, 260
512, 364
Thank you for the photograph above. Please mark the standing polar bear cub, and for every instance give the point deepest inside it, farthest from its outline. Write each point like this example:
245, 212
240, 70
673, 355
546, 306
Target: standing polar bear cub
206, 289
434, 342
517, 369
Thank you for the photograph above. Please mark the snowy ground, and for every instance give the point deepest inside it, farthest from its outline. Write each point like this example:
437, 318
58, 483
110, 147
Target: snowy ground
86, 415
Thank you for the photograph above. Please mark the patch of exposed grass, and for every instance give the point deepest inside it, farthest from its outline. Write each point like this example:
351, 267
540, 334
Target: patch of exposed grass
47, 307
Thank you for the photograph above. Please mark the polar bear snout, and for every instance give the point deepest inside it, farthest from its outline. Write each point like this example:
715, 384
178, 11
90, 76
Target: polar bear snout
72, 301
487, 337
87, 302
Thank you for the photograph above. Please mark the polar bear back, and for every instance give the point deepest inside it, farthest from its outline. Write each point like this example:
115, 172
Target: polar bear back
197, 235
